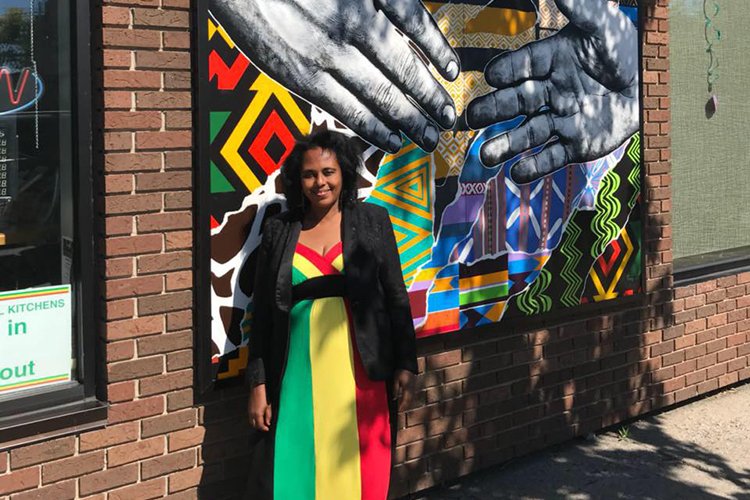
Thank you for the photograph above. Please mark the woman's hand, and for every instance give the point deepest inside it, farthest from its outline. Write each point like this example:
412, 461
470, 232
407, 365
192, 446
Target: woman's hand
401, 388
258, 409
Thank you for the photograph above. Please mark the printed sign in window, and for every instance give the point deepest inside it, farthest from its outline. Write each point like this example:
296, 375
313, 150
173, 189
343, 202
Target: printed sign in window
35, 333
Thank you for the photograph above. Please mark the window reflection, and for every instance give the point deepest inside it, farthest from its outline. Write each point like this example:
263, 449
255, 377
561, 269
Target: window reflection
36, 224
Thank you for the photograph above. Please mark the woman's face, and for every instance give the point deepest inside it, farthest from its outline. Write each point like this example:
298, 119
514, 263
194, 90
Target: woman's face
321, 178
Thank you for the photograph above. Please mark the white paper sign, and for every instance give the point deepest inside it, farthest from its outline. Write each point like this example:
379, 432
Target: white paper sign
35, 338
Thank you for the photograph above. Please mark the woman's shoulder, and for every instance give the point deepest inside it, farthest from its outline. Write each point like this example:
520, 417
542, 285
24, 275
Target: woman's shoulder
274, 224
282, 218
371, 211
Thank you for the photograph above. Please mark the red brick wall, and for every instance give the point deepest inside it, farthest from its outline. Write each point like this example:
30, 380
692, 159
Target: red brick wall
483, 398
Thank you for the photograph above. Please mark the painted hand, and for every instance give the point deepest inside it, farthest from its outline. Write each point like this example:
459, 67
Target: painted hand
578, 89
346, 57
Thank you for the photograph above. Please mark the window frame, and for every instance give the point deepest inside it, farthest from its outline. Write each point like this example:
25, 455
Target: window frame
702, 267
697, 268
73, 406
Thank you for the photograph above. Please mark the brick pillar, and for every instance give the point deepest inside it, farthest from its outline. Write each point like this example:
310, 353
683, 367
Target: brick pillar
148, 260
657, 197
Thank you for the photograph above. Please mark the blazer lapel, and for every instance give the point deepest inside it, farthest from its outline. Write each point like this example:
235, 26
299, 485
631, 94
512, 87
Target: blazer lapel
349, 243
284, 279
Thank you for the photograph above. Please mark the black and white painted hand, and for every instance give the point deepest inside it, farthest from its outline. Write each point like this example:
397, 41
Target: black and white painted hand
347, 57
579, 90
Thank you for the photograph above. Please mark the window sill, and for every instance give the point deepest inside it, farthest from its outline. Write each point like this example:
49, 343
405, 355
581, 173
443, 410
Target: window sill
48, 423
697, 268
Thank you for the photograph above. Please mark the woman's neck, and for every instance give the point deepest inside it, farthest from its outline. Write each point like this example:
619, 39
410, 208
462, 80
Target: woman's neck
315, 215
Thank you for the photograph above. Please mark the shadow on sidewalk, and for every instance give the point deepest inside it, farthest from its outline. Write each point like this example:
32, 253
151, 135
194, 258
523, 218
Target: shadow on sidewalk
647, 465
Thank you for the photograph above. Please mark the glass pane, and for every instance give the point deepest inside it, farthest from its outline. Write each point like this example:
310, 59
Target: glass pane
711, 151
36, 202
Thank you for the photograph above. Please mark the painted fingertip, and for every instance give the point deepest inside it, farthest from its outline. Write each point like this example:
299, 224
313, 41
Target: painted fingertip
451, 71
448, 115
520, 173
480, 113
475, 112
489, 156
515, 176
430, 137
394, 143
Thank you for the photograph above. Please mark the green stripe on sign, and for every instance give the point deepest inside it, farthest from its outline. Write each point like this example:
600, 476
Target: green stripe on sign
32, 293
294, 457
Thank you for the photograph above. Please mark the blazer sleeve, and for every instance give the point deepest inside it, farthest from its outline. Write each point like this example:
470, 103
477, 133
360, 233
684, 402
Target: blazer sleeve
397, 299
262, 316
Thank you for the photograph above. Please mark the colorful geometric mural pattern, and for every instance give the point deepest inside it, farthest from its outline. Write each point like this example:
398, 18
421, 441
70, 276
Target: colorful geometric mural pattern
475, 246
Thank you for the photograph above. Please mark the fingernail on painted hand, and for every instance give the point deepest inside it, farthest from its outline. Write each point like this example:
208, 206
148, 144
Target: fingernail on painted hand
430, 137
452, 70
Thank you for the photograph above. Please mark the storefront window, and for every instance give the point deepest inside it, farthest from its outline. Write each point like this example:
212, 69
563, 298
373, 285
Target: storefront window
37, 225
711, 153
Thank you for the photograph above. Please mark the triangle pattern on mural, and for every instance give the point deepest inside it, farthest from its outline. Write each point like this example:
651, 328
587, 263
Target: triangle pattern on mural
403, 188
405, 183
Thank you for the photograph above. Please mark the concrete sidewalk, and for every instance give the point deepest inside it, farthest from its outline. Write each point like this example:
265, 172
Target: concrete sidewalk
696, 452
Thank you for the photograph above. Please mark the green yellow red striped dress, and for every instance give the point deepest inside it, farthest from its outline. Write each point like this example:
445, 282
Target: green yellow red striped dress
332, 436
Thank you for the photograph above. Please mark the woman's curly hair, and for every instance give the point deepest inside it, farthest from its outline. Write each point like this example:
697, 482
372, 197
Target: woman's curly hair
327, 140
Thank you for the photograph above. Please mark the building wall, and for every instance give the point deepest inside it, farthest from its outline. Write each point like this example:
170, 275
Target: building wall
483, 397
143, 167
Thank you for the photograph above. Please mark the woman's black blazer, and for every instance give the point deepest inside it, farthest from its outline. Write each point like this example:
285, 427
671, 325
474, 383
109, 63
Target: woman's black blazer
374, 286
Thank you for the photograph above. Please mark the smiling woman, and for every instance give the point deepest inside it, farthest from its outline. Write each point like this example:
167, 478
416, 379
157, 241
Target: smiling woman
339, 337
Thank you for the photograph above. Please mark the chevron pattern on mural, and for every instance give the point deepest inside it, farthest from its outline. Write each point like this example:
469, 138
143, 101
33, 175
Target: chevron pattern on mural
611, 265
404, 188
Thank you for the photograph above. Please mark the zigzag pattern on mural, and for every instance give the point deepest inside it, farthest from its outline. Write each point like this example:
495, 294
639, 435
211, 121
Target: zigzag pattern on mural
468, 86
253, 124
634, 178
232, 364
253, 169
573, 282
533, 300
608, 277
608, 208
492, 41
451, 152
570, 265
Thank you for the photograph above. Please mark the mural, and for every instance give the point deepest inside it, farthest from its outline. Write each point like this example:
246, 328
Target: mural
501, 135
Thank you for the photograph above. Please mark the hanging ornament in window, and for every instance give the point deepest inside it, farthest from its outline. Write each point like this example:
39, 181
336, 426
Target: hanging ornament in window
712, 34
